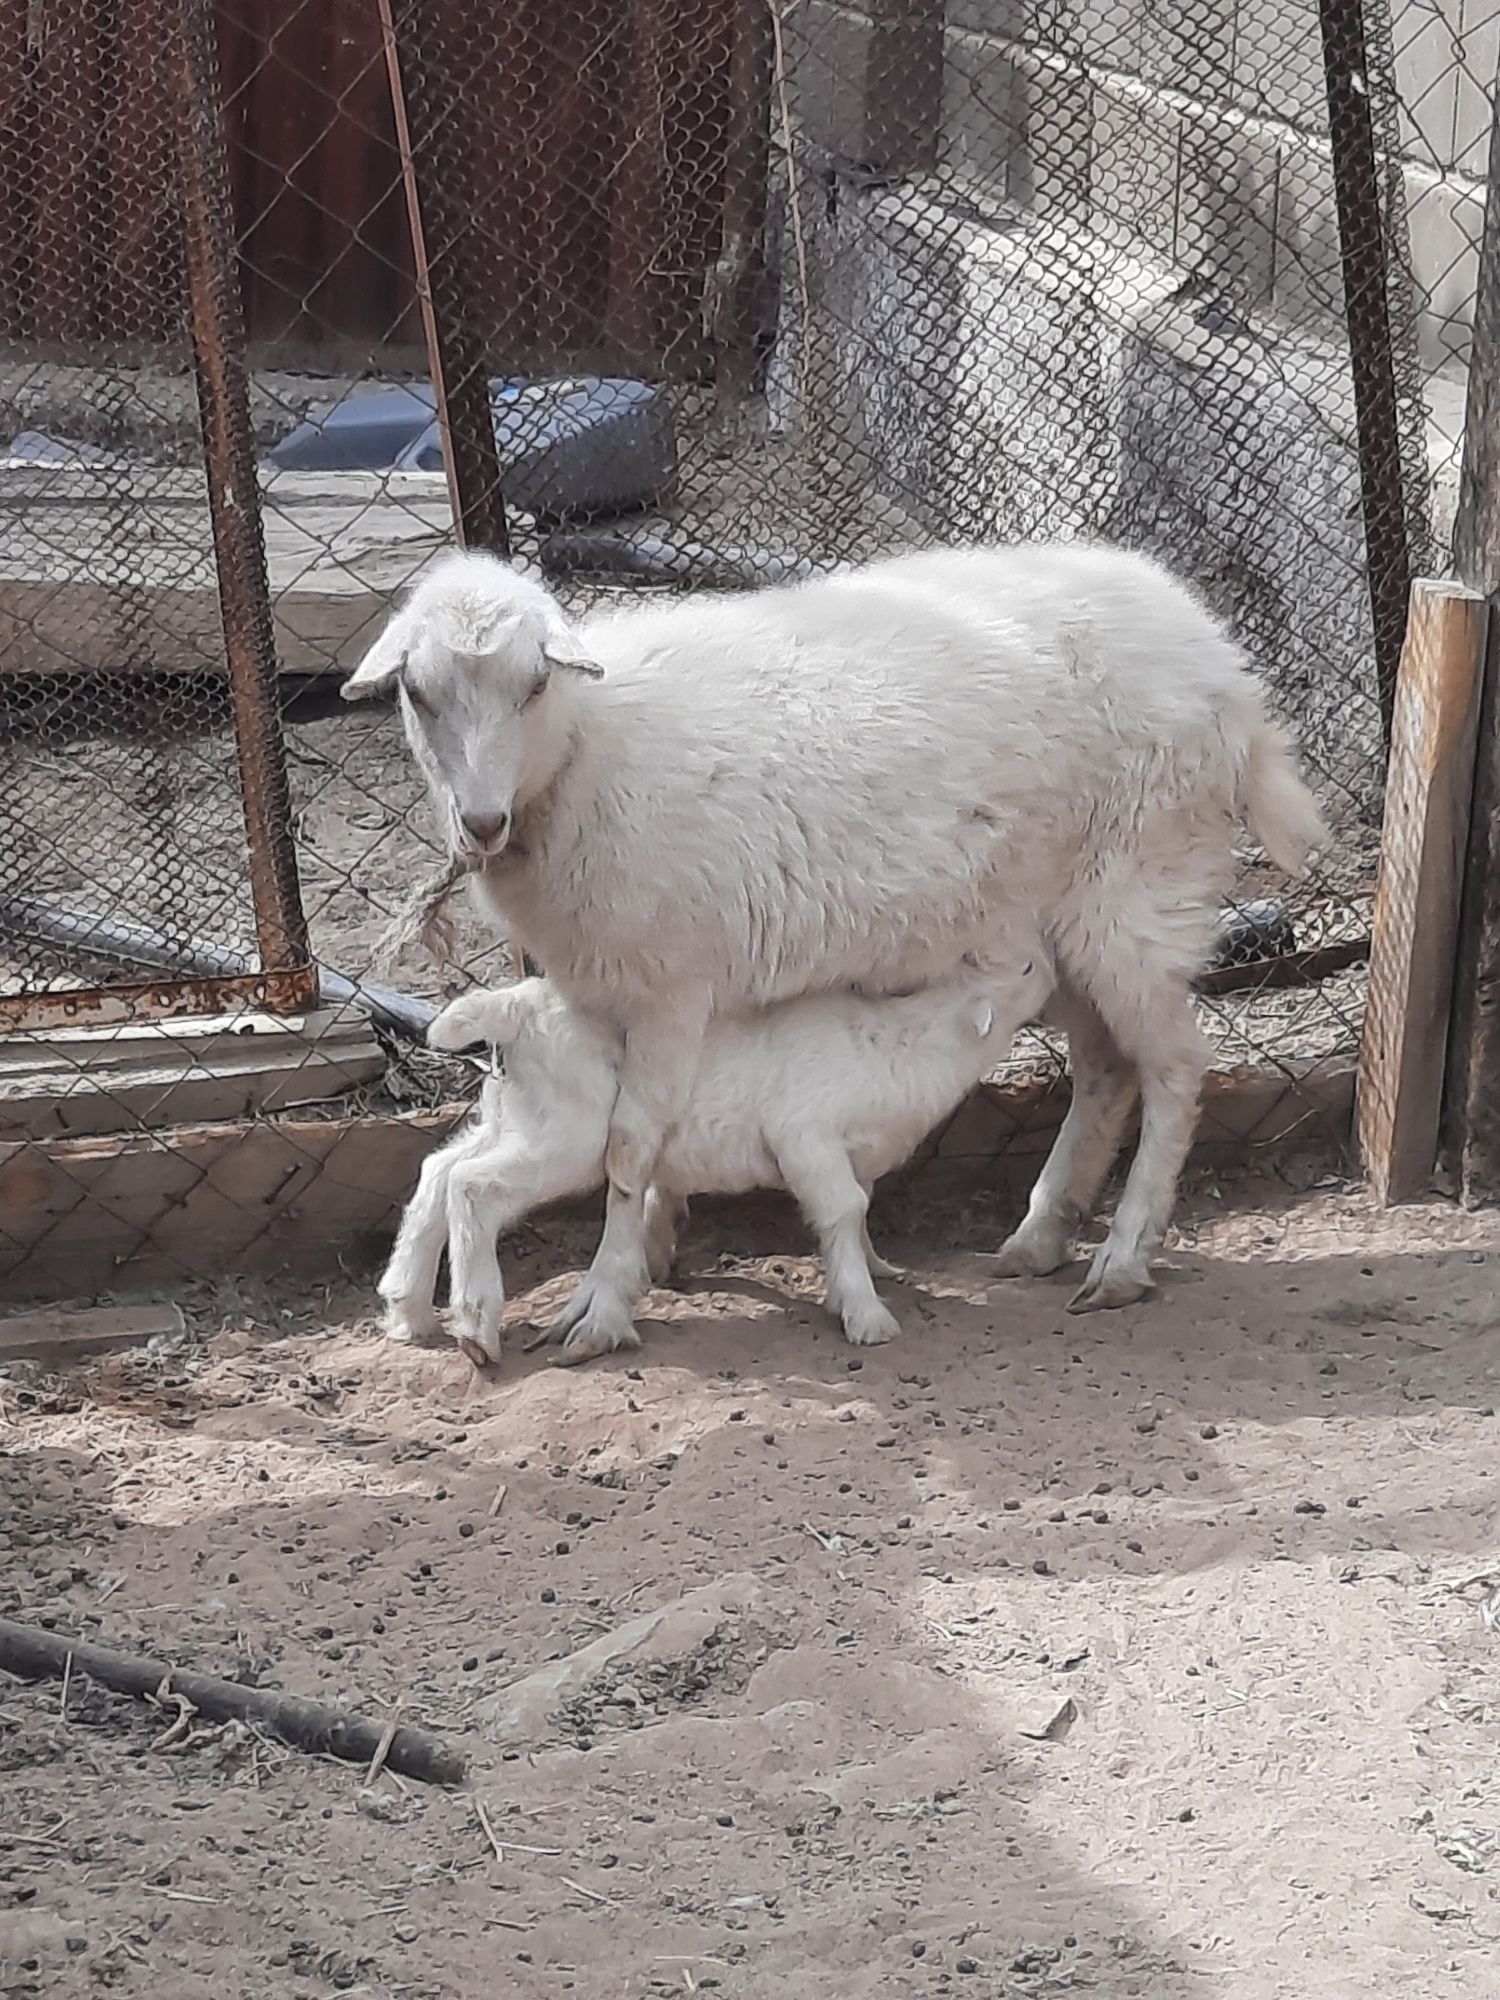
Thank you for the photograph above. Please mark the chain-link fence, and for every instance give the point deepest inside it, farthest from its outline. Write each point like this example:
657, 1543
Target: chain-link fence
712, 296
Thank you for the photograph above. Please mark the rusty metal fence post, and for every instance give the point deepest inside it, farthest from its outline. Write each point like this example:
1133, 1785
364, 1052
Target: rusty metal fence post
1471, 1136
430, 113
1364, 250
218, 338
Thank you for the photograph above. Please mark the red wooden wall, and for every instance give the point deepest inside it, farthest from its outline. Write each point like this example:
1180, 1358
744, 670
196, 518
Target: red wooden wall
596, 135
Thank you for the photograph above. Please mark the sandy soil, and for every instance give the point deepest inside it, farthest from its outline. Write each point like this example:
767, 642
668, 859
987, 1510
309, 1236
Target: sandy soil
1149, 1655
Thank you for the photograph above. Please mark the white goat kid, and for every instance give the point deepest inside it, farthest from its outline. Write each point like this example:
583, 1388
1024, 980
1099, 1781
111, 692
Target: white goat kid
819, 1096
852, 783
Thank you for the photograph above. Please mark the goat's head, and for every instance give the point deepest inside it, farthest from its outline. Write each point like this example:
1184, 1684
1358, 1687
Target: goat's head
477, 653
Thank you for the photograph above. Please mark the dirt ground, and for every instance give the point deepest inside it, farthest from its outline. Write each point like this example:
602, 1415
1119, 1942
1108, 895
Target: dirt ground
1153, 1654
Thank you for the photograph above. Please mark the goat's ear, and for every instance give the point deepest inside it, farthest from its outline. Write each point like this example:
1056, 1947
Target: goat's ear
377, 671
564, 646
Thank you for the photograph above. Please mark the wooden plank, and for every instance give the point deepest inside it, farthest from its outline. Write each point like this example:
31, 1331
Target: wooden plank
1429, 787
69, 1082
85, 1215
112, 569
56, 1336
81, 1216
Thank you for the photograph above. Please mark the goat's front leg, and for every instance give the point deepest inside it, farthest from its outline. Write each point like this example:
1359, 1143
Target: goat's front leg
408, 1285
657, 1072
489, 1193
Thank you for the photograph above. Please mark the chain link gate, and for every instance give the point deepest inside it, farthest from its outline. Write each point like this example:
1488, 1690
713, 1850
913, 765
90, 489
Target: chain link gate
712, 296
145, 778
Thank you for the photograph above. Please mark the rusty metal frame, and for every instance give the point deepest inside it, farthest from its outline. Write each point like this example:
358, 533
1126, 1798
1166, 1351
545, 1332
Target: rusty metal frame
429, 120
161, 999
288, 981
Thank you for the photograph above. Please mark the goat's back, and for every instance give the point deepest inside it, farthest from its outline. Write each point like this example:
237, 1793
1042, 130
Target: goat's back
855, 780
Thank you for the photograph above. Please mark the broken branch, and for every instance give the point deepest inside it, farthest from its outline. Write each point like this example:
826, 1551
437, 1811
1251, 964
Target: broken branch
304, 1725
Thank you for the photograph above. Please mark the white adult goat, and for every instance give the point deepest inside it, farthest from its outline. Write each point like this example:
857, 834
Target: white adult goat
692, 808
820, 1096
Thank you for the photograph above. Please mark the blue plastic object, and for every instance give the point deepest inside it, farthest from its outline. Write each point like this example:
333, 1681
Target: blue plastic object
586, 445
370, 431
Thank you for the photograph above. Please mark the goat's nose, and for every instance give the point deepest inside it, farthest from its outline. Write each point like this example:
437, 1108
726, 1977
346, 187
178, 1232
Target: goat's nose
487, 831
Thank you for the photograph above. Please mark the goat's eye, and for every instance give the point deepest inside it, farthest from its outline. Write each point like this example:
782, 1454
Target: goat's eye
538, 689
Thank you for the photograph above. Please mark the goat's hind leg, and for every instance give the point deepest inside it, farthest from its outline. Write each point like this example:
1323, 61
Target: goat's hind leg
1172, 1055
1104, 1087
408, 1285
829, 1194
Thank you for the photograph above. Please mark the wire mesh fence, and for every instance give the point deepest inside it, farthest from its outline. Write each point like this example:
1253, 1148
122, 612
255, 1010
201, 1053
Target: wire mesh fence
700, 298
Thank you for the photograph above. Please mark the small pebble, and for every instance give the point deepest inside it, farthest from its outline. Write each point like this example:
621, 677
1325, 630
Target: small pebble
1309, 1507
1041, 1567
1135, 1548
466, 1529
549, 1596
966, 1965
1011, 1506
1209, 1431
723, 1819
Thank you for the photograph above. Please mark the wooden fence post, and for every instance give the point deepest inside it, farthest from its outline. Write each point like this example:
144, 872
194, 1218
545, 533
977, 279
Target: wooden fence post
1429, 785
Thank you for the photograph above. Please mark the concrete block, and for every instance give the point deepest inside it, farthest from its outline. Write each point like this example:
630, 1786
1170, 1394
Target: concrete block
984, 112
1278, 63
827, 49
1424, 37
1308, 289
1226, 207
1474, 80
1137, 142
1187, 47
1445, 221
1052, 172
1106, 33
1238, 467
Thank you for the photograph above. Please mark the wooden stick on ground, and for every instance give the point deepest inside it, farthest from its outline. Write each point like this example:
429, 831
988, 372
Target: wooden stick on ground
1429, 787
304, 1725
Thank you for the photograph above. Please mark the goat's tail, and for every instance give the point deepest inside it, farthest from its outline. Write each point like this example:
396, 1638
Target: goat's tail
492, 1014
1279, 807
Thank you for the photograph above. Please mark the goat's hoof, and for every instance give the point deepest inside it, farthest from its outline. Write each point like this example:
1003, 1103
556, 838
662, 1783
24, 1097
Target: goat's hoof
879, 1268
411, 1325
600, 1333
1030, 1256
1104, 1291
660, 1265
593, 1322
473, 1351
870, 1327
